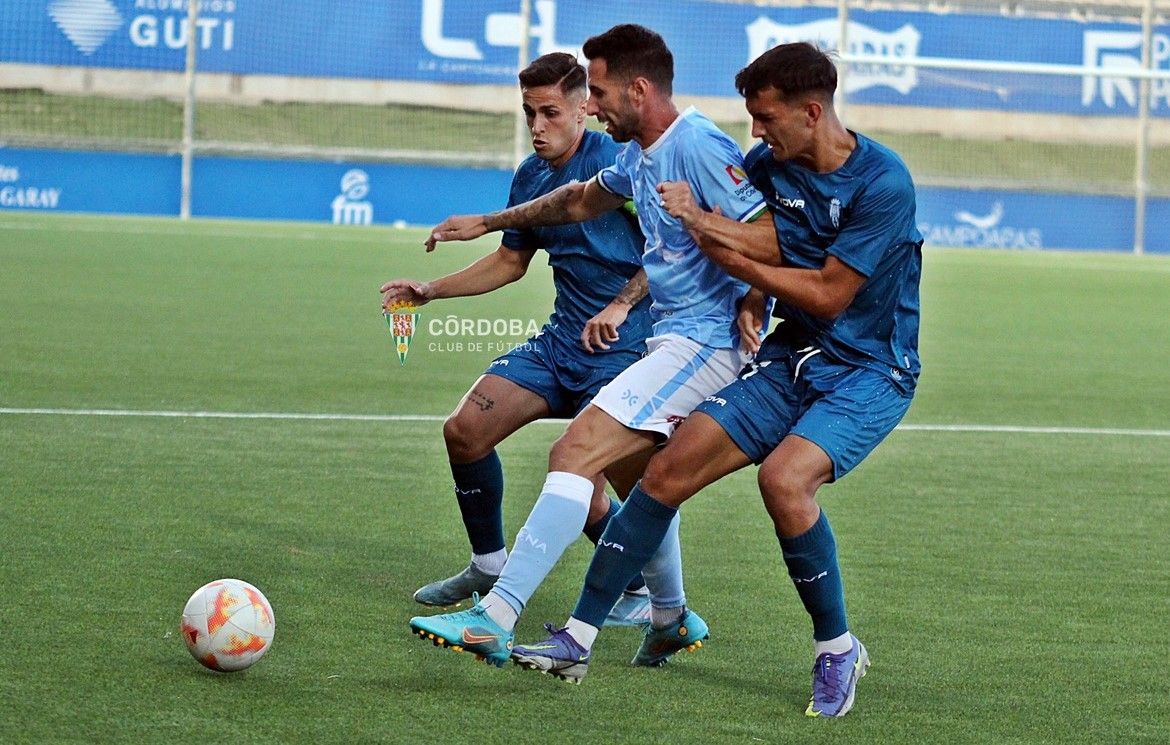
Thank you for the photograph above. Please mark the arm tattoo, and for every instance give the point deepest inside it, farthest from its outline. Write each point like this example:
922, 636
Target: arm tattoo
551, 209
634, 290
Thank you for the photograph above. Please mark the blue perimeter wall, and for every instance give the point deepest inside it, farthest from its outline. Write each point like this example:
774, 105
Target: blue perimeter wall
387, 194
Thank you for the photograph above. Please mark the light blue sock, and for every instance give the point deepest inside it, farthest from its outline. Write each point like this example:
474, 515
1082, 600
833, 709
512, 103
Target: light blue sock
663, 573
554, 523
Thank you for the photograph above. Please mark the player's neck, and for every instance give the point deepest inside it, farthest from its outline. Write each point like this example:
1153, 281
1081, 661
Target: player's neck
655, 121
831, 151
568, 154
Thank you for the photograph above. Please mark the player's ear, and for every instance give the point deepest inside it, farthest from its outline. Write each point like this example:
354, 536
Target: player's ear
813, 109
639, 87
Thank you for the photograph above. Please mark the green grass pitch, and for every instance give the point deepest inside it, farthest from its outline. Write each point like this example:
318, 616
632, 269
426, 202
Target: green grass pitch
1011, 582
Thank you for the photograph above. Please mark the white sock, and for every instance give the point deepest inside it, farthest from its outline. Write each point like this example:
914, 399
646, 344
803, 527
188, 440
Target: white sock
492, 563
660, 618
838, 645
583, 633
499, 611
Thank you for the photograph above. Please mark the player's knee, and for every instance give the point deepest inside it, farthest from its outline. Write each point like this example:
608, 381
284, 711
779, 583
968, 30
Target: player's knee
666, 480
465, 443
568, 452
784, 492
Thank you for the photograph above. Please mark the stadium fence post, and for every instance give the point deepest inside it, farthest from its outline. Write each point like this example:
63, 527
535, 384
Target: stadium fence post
188, 112
1141, 164
520, 135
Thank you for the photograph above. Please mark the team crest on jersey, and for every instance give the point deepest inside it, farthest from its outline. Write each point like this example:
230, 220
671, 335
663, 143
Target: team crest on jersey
737, 174
402, 318
835, 212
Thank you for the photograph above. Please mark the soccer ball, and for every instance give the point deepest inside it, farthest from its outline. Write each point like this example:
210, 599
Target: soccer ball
228, 625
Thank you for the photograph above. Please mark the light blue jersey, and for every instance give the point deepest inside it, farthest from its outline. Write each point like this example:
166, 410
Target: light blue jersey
863, 214
591, 261
692, 295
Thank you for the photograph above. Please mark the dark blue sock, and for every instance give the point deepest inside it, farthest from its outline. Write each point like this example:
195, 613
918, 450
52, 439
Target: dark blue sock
812, 564
479, 489
632, 537
593, 532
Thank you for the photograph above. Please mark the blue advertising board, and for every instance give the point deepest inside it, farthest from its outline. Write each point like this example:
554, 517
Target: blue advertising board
984, 218
344, 194
477, 41
368, 193
68, 181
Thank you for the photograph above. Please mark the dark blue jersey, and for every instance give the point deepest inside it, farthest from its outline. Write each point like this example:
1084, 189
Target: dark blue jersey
591, 261
863, 214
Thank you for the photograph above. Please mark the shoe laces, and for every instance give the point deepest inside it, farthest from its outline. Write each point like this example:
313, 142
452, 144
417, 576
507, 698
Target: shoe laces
563, 636
829, 674
475, 611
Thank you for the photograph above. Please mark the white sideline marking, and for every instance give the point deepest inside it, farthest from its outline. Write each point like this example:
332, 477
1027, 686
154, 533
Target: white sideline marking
356, 234
1002, 428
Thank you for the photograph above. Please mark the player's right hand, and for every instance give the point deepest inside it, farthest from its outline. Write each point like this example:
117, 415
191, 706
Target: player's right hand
407, 291
603, 327
750, 320
456, 228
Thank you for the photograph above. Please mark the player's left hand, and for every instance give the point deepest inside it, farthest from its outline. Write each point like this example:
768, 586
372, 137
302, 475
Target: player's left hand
679, 202
603, 327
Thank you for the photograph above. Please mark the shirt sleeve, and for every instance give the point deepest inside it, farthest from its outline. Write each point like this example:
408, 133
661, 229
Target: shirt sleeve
616, 178
519, 239
716, 173
874, 222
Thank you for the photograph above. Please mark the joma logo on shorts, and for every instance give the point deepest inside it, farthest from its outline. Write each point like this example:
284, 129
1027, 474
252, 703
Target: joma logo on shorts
716, 400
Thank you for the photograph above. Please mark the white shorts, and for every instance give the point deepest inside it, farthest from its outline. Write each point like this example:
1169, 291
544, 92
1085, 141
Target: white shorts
657, 392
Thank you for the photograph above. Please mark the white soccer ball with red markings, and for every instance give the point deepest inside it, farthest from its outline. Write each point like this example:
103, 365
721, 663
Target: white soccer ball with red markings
228, 625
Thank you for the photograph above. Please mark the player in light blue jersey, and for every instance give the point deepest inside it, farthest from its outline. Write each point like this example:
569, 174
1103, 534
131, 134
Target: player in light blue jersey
693, 353
828, 384
693, 297
598, 328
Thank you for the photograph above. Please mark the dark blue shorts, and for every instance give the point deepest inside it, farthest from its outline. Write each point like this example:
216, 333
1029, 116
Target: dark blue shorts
562, 373
844, 409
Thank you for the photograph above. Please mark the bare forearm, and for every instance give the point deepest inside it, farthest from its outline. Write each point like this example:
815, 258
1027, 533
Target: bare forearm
634, 290
485, 275
754, 240
806, 289
560, 206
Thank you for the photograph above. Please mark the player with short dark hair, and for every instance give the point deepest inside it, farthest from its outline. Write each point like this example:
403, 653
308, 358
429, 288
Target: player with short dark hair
694, 350
632, 51
599, 326
833, 379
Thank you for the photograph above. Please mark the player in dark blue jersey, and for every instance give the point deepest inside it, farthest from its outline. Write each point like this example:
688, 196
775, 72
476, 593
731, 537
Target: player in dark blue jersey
598, 327
827, 385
